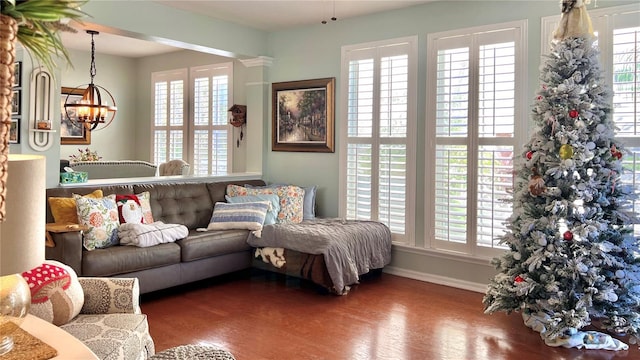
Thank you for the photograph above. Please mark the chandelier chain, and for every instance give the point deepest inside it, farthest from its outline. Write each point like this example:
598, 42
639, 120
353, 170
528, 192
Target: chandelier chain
92, 70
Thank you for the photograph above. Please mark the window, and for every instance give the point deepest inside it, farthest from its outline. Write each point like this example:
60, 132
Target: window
378, 136
618, 37
475, 106
192, 125
626, 101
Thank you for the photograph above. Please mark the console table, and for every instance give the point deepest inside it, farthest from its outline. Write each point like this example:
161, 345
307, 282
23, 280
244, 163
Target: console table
68, 347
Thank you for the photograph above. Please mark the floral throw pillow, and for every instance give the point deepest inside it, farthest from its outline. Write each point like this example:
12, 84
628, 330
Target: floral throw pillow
101, 217
291, 200
145, 204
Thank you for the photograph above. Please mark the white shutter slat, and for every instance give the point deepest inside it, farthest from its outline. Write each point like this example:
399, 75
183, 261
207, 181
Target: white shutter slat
626, 81
451, 193
452, 92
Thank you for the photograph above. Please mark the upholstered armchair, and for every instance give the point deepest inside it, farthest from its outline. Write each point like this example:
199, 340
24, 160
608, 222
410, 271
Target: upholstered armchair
111, 323
174, 167
103, 313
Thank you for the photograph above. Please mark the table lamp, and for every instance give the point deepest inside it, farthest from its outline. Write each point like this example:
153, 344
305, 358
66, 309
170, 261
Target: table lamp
22, 236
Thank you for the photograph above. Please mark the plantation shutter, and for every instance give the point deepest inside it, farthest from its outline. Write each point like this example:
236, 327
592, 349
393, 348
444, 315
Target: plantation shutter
378, 118
169, 109
474, 87
626, 97
211, 130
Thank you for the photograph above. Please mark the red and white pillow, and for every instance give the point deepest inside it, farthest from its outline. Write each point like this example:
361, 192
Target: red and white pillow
134, 209
129, 209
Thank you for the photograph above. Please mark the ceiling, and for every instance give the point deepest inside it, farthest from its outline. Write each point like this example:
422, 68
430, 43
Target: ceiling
267, 15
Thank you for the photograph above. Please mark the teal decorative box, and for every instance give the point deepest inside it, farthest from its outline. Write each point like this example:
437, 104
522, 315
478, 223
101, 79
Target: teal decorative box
73, 177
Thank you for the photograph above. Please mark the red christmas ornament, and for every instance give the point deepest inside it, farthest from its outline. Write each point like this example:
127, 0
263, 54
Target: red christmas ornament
519, 279
573, 114
568, 235
529, 154
616, 153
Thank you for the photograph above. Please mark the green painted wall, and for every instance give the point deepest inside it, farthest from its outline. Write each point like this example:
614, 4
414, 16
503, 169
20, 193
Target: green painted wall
117, 75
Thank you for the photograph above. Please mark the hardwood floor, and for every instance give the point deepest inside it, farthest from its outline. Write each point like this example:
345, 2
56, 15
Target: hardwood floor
261, 315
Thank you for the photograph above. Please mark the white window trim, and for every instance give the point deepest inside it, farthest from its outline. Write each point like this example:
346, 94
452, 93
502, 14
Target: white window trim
411, 140
469, 248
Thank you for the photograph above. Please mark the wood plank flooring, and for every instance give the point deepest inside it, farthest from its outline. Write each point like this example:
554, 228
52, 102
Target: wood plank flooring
260, 315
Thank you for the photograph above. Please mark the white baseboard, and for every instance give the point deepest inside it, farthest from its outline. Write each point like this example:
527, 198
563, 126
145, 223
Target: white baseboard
436, 279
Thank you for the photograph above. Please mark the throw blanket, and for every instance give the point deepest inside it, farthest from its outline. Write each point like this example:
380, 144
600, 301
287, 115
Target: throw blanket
350, 248
144, 235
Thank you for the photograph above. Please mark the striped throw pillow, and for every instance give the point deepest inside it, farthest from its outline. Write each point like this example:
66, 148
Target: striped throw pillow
248, 215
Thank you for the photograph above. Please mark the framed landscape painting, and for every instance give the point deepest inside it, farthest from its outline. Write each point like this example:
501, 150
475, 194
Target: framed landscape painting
303, 115
71, 132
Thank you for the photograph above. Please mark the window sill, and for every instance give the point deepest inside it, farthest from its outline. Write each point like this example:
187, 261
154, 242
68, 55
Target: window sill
444, 254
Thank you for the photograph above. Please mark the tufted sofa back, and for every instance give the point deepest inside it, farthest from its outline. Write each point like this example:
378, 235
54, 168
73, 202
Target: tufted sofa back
187, 203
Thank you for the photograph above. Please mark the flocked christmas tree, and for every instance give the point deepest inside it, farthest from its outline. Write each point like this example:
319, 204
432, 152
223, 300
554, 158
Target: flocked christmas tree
572, 259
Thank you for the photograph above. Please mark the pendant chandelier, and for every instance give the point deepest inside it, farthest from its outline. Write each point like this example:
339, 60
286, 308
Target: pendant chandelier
97, 108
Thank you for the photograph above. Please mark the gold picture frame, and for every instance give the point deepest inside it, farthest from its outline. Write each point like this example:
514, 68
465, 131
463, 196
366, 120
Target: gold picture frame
71, 132
303, 115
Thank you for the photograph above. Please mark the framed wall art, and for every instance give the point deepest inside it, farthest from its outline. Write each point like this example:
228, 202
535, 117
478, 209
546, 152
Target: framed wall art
15, 102
17, 74
72, 132
303, 115
14, 131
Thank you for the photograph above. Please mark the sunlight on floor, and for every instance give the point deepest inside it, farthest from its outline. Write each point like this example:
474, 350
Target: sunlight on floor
389, 341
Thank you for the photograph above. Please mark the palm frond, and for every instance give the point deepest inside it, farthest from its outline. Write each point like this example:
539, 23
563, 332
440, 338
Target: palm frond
40, 23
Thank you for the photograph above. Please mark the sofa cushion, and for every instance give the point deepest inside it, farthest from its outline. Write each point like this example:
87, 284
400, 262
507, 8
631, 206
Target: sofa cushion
199, 245
114, 336
122, 259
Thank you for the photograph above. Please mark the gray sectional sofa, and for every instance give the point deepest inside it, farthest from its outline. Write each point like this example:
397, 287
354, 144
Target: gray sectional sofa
199, 256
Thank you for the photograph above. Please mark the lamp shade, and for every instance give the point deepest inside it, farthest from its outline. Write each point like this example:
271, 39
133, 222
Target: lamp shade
22, 233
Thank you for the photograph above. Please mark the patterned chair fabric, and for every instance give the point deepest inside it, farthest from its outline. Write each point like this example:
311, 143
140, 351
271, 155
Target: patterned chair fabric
111, 323
114, 336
